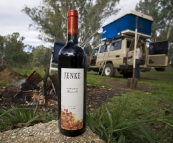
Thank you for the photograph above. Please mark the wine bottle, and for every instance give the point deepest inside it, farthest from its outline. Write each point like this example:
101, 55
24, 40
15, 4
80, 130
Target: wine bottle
72, 82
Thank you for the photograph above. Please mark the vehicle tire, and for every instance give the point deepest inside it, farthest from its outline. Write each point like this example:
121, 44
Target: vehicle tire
109, 70
160, 69
130, 74
99, 72
127, 75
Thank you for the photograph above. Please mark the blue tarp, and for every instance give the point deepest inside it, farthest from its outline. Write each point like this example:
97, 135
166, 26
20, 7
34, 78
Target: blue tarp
127, 22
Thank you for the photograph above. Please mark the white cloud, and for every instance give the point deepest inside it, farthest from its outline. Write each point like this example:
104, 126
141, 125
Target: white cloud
13, 20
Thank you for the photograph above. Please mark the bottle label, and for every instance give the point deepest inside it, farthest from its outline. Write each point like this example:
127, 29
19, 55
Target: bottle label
72, 98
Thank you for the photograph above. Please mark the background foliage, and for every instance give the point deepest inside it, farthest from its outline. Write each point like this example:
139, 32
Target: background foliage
15, 53
41, 56
50, 18
162, 13
12, 50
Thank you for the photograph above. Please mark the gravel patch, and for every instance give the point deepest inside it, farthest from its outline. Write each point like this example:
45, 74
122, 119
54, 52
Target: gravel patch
46, 133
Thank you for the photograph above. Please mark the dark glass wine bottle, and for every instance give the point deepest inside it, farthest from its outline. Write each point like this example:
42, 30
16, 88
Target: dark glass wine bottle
72, 82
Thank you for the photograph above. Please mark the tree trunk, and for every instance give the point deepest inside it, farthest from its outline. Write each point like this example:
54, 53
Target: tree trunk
169, 29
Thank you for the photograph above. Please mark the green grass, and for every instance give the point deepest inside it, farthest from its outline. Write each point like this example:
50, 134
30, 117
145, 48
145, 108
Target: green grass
162, 83
137, 116
17, 116
116, 123
27, 71
94, 79
128, 118
2, 83
153, 109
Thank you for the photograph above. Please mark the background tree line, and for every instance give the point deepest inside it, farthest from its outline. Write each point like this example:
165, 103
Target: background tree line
49, 18
162, 13
15, 53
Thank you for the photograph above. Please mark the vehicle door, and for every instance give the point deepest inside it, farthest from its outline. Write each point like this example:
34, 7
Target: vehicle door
158, 54
102, 55
116, 53
130, 53
93, 56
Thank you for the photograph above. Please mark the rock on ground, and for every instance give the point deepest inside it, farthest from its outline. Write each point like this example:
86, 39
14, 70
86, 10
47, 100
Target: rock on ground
46, 133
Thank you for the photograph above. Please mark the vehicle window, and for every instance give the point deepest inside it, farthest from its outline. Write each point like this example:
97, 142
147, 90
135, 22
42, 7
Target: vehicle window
128, 43
158, 48
103, 49
95, 52
132, 45
116, 46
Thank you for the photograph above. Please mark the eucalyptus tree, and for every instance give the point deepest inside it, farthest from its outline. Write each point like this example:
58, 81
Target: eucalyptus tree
2, 46
49, 18
162, 13
41, 56
14, 54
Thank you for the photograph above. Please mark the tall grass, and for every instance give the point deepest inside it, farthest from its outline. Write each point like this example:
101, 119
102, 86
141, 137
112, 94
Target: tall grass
115, 123
131, 118
23, 116
138, 116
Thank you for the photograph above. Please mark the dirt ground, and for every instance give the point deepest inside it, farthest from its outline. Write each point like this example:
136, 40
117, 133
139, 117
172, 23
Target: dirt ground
96, 95
8, 75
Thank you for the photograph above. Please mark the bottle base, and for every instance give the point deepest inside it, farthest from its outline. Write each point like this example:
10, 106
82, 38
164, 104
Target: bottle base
72, 133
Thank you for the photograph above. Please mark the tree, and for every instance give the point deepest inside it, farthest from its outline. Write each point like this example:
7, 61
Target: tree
50, 17
170, 54
2, 45
41, 56
162, 12
14, 54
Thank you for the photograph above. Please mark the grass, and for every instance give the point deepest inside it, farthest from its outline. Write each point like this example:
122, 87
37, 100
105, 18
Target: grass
16, 117
94, 79
27, 72
115, 123
126, 119
3, 83
148, 113
162, 82
136, 116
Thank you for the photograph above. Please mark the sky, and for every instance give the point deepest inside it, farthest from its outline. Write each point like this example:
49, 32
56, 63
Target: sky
12, 19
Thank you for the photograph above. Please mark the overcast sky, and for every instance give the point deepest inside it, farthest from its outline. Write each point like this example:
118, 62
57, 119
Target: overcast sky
13, 20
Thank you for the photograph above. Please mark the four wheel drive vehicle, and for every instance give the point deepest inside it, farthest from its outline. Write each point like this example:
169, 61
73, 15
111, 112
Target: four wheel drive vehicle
117, 51
114, 56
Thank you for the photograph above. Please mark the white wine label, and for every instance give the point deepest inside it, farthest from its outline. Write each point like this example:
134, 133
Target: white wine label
72, 98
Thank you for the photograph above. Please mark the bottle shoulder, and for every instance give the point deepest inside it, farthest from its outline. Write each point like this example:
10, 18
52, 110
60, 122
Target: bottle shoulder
71, 48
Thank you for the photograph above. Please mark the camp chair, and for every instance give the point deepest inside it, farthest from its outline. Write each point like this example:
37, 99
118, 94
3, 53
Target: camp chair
54, 56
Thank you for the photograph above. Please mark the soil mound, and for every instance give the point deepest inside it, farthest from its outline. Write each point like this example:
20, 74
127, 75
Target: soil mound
2, 67
8, 75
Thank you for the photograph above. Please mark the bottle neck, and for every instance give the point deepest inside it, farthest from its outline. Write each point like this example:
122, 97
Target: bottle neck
72, 27
73, 37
